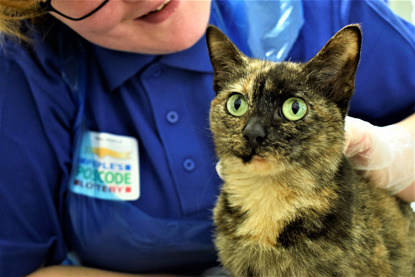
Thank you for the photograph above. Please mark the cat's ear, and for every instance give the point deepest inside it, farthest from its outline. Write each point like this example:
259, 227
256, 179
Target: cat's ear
334, 67
224, 56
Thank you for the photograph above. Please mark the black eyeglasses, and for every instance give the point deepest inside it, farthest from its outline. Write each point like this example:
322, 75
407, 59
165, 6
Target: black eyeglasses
61, 8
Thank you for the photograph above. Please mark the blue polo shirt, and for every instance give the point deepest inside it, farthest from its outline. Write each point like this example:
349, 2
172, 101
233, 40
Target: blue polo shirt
56, 145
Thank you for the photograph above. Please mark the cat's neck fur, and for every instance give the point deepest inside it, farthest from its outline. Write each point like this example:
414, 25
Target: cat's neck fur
278, 196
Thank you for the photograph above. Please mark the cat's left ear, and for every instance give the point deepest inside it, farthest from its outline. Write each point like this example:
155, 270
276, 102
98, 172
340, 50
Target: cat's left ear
334, 67
225, 57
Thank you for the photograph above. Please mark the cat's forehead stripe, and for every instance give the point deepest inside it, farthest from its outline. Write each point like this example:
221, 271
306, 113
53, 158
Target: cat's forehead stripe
258, 82
280, 75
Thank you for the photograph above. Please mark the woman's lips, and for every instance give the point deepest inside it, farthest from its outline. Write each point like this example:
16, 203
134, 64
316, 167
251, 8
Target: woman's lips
161, 13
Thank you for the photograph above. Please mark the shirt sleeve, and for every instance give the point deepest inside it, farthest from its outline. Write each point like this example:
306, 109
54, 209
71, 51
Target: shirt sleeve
35, 143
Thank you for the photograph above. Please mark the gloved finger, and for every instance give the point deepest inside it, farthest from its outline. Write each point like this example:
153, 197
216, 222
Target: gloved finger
357, 137
370, 147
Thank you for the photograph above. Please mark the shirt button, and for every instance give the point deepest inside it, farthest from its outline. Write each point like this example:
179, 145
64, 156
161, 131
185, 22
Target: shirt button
189, 165
172, 117
156, 71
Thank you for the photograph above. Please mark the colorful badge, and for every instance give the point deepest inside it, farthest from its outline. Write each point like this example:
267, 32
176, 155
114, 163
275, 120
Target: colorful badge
108, 167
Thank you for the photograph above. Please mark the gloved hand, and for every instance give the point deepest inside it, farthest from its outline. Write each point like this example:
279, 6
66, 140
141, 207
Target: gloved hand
385, 154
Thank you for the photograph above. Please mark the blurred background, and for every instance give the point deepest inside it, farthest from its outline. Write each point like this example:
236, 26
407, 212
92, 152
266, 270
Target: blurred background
404, 8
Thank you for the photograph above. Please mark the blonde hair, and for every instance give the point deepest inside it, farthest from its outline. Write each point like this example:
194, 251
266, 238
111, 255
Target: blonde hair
13, 12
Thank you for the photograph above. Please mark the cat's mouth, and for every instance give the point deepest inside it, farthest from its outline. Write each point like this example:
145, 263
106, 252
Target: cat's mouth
258, 164
252, 158
251, 155
246, 158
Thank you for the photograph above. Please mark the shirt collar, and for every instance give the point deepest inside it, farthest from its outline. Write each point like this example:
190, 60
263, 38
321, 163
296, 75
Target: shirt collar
195, 58
118, 66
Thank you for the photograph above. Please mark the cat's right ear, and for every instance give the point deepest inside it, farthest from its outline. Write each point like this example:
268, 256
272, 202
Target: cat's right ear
334, 67
224, 56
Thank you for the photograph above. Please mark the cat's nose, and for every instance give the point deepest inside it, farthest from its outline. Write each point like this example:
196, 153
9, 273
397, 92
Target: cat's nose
254, 131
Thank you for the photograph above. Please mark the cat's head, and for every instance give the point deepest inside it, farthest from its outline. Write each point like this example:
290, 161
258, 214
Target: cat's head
274, 116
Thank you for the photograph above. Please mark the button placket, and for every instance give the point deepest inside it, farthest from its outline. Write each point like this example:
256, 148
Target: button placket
179, 131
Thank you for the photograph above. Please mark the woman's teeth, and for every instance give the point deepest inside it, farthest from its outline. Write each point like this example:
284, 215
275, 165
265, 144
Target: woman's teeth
161, 6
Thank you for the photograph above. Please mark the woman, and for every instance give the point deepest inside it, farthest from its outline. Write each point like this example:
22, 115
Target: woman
105, 148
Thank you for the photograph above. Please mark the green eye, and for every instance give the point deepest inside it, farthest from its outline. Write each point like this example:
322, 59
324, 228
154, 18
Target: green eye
294, 109
237, 105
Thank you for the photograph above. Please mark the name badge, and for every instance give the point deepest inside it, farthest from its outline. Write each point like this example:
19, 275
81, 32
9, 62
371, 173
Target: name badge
108, 167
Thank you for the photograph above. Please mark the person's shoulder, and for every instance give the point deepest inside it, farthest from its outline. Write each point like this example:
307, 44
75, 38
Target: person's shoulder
34, 69
33, 57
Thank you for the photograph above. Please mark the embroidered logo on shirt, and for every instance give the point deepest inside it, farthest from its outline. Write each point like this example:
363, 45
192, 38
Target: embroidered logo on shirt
108, 167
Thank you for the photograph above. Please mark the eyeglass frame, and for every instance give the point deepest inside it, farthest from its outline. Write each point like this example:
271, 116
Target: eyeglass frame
47, 7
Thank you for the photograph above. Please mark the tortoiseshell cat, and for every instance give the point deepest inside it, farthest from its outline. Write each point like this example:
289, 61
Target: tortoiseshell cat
291, 205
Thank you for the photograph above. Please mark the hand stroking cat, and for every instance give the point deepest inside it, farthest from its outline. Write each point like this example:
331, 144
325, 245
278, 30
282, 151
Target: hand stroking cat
291, 204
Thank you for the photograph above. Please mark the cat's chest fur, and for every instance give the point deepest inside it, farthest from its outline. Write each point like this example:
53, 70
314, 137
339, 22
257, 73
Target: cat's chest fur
267, 204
